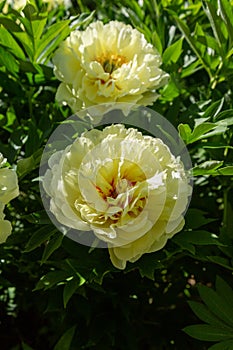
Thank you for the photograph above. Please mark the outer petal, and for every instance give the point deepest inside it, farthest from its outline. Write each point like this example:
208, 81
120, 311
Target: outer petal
8, 185
5, 230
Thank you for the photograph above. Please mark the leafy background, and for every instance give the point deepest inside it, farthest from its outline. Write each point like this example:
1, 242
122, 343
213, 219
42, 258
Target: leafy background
55, 294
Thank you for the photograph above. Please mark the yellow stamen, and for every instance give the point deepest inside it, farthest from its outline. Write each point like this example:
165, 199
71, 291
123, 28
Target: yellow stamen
111, 62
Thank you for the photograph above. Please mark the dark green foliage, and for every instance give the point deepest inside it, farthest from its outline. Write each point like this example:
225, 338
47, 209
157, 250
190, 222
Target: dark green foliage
55, 293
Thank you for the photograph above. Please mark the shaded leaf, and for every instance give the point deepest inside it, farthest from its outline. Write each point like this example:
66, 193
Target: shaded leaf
207, 333
26, 346
71, 287
51, 246
198, 238
8, 60
205, 315
216, 304
224, 345
64, 342
224, 290
221, 261
39, 237
195, 218
51, 279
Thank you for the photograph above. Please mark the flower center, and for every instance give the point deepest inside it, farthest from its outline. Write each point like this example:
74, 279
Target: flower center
111, 62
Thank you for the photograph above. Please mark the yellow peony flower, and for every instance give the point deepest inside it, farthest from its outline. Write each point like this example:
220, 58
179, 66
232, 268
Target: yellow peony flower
8, 190
107, 63
127, 188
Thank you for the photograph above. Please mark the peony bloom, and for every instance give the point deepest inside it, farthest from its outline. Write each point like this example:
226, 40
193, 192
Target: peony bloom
8, 190
107, 63
127, 188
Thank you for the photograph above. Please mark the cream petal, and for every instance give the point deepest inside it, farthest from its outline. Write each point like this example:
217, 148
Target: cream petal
118, 263
8, 185
135, 250
5, 230
65, 63
64, 95
177, 227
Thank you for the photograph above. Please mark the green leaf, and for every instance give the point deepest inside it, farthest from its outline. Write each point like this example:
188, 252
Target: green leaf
226, 13
226, 171
225, 116
185, 132
205, 315
184, 245
7, 40
191, 41
190, 69
200, 132
147, 266
156, 41
173, 52
198, 238
26, 165
8, 60
26, 346
50, 40
8, 122
51, 279
208, 41
219, 260
224, 290
26, 42
51, 246
71, 287
207, 333
9, 24
82, 20
195, 218
34, 24
38, 24
39, 217
217, 305
214, 109
212, 167
207, 168
39, 237
211, 12
29, 10
171, 90
224, 345
64, 343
